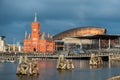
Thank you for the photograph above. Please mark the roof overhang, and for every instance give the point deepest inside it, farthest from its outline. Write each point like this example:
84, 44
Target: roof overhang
103, 36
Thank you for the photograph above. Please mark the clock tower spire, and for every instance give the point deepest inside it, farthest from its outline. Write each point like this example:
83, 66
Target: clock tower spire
35, 35
35, 19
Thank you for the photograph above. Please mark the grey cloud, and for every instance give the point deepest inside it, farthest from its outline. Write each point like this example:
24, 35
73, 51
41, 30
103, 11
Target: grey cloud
57, 15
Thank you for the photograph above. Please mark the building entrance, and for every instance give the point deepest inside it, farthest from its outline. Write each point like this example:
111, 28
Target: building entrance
34, 49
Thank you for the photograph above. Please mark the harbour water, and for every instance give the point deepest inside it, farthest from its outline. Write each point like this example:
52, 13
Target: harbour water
48, 71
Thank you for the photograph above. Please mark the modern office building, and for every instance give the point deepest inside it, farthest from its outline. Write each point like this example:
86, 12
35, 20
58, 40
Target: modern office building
89, 37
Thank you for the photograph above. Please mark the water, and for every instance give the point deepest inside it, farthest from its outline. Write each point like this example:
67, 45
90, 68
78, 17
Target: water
48, 71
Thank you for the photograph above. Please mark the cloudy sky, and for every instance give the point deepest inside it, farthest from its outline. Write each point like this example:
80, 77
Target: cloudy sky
56, 16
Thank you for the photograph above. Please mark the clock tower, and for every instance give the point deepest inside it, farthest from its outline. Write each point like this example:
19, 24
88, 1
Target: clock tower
35, 29
37, 42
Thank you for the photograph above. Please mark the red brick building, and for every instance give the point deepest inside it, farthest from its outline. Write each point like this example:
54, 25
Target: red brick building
37, 42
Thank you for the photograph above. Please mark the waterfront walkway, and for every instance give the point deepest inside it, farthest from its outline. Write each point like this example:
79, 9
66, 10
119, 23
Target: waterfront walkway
55, 56
82, 55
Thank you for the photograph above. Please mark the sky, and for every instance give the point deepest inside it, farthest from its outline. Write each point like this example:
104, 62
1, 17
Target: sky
56, 16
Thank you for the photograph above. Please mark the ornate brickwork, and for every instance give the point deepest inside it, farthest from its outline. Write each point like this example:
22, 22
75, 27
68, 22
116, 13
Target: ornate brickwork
35, 42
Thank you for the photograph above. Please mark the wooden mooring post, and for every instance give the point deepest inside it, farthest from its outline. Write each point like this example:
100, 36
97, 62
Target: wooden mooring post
114, 57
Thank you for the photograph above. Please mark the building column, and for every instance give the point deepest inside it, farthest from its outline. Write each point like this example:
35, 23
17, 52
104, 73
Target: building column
109, 43
99, 43
118, 44
9, 48
91, 44
80, 44
14, 48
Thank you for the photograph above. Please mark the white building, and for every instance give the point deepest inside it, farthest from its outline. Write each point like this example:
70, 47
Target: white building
2, 44
19, 47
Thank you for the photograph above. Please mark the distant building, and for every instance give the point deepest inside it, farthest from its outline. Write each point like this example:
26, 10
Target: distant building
2, 44
37, 42
14, 47
19, 47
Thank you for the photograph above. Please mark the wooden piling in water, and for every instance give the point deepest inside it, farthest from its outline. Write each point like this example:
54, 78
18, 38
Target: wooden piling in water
27, 67
63, 63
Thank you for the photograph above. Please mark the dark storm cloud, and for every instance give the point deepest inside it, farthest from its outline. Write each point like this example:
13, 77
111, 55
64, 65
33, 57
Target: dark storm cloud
57, 15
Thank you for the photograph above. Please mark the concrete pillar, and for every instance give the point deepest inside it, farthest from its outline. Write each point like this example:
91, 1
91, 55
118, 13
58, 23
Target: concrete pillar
119, 40
19, 48
118, 44
80, 43
14, 47
99, 43
9, 48
109, 43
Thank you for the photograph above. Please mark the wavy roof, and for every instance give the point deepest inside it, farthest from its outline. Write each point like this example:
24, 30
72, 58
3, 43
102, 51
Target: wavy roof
80, 31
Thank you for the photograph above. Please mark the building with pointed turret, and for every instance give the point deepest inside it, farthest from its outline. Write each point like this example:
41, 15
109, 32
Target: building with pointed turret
37, 42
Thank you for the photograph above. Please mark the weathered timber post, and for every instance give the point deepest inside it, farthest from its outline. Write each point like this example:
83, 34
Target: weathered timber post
95, 60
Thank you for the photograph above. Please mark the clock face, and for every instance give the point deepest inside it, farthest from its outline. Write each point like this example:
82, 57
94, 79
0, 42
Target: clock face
34, 29
34, 39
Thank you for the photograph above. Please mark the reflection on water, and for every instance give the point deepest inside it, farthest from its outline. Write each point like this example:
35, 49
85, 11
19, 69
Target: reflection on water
24, 77
48, 71
84, 64
95, 66
113, 64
